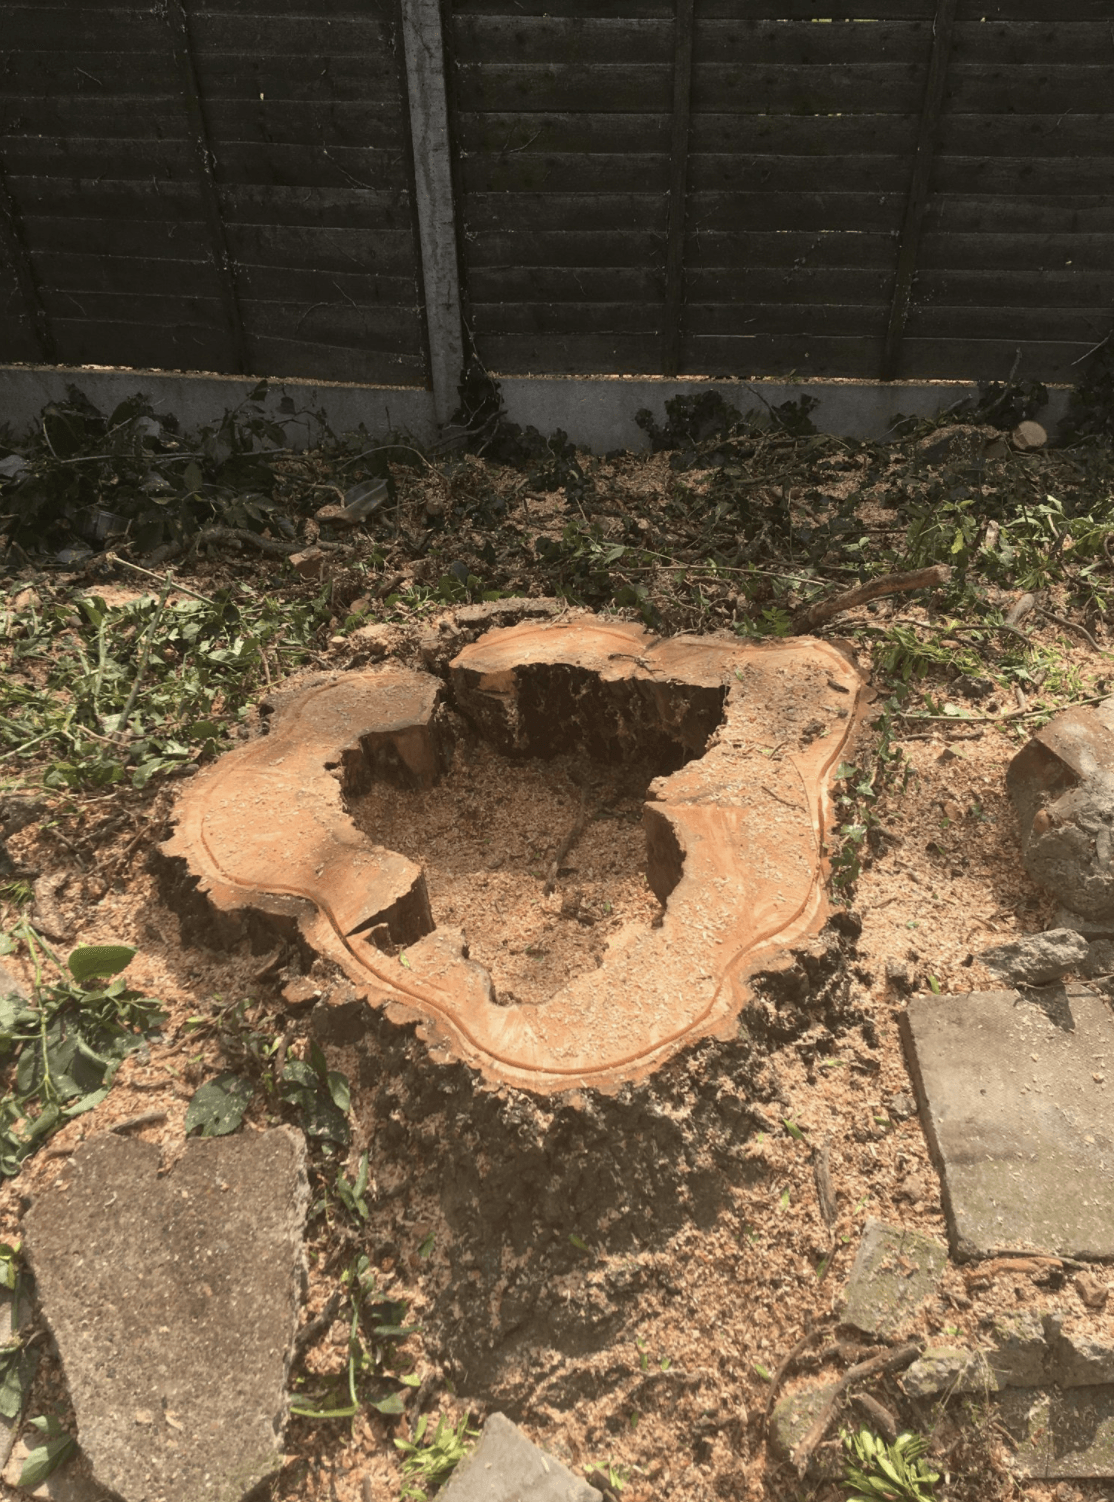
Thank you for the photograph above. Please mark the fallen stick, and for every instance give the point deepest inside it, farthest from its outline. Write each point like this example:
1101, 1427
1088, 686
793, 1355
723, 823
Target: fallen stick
889, 584
567, 843
825, 1194
145, 1118
783, 1368
888, 1361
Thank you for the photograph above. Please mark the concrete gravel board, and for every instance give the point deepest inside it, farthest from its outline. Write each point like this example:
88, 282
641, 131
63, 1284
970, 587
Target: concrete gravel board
506, 1467
174, 1304
1016, 1093
894, 1272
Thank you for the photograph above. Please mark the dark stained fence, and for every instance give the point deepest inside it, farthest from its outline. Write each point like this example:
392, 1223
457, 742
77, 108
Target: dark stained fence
915, 188
836, 221
221, 185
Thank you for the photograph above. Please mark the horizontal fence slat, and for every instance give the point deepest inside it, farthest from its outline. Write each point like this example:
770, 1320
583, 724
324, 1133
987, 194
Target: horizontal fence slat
307, 10
567, 318
505, 133
1027, 89
564, 172
1031, 214
560, 39
298, 359
1087, 325
236, 163
553, 211
801, 43
790, 248
795, 210
1070, 287
604, 87
1051, 252
389, 330
390, 252
828, 319
351, 208
528, 284
368, 123
1046, 177
566, 248
35, 28
174, 346
1046, 41
78, 272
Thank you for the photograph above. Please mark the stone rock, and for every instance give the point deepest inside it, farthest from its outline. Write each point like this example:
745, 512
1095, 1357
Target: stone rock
793, 1417
1027, 436
1058, 1433
899, 976
309, 563
948, 1369
1092, 1292
1076, 1360
1037, 959
903, 1105
10, 983
48, 915
173, 1301
1020, 1350
1018, 1117
1100, 960
1062, 786
506, 1467
731, 834
894, 1272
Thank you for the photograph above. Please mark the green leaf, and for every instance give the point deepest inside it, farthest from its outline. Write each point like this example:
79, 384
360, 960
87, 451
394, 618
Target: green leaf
218, 1106
426, 1246
45, 1459
411, 1380
793, 1129
393, 1403
764, 1372
95, 960
342, 1095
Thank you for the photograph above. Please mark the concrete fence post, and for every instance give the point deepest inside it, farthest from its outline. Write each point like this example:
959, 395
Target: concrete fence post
429, 133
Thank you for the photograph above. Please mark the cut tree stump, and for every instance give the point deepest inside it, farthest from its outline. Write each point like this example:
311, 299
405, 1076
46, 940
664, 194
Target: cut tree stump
735, 832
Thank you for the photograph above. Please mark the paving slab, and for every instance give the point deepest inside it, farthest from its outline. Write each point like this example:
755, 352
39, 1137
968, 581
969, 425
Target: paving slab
1057, 1433
506, 1467
174, 1302
1016, 1093
894, 1272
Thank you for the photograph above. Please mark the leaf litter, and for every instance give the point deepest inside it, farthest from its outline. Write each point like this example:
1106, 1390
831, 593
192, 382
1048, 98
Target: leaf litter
117, 682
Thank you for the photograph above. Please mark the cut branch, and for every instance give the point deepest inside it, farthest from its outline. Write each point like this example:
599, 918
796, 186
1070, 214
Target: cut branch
889, 584
888, 1361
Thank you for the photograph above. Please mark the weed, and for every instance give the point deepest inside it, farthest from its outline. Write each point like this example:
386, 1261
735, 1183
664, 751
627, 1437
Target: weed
375, 1332
880, 1472
861, 790
45, 1459
67, 1042
613, 1475
430, 1463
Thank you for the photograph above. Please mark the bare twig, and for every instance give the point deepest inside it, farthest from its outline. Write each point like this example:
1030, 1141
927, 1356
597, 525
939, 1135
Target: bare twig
825, 1193
145, 1118
1062, 620
783, 1369
582, 818
889, 584
887, 1361
313, 1329
884, 1420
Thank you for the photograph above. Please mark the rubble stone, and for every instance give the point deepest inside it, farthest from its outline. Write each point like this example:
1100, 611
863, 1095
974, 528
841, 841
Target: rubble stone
949, 1369
1037, 959
506, 1467
894, 1272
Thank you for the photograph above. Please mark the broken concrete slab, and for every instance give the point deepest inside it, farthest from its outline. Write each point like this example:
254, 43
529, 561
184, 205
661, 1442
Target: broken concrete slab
734, 832
1015, 1097
894, 1272
506, 1467
1062, 786
948, 1369
1020, 1350
1056, 1433
173, 1301
1038, 959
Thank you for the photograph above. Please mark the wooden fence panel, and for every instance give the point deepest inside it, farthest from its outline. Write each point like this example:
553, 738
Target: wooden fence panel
845, 187
307, 170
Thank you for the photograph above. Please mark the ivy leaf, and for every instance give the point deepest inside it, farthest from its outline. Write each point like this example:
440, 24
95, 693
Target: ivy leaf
218, 1106
45, 1459
95, 960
